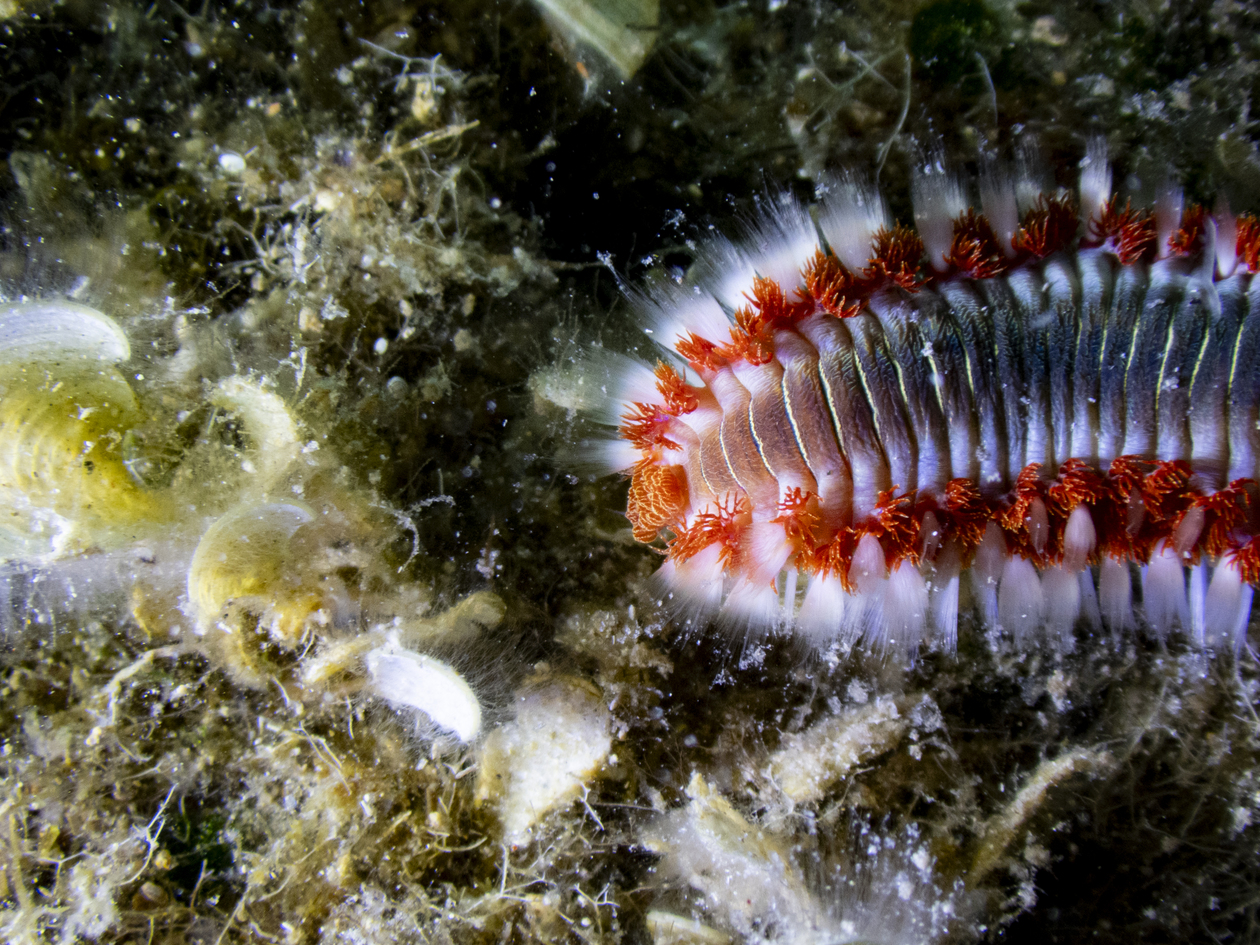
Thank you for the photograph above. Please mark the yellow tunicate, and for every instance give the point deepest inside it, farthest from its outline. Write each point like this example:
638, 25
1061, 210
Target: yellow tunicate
65, 415
251, 584
64, 481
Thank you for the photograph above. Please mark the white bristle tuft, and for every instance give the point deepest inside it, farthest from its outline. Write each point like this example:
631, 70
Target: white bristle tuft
1239, 636
938, 201
780, 240
1079, 538
764, 550
672, 314
1168, 207
604, 385
905, 608
865, 619
944, 610
1115, 594
1227, 609
1095, 187
608, 456
634, 382
751, 609
1033, 179
1021, 603
775, 245
693, 589
1164, 592
943, 591
1062, 589
1000, 205
868, 573
1197, 589
850, 215
1226, 240
790, 577
722, 273
867, 567
986, 571
1091, 616
823, 611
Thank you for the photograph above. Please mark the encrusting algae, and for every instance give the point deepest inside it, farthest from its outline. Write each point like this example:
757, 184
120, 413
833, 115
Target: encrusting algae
313, 633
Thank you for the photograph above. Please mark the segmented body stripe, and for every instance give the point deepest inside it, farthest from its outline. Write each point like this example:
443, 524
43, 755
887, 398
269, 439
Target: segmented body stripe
1118, 339
772, 432
1096, 284
853, 423
1244, 391
814, 427
718, 478
888, 389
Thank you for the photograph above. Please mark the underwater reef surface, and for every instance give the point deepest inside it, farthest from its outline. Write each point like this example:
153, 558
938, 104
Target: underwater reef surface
316, 626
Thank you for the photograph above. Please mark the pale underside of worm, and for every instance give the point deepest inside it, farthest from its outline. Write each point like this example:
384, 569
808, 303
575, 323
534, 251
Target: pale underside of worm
1051, 399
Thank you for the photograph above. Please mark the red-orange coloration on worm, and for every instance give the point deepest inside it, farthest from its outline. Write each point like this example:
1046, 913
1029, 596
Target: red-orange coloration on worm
1049, 226
1130, 231
896, 256
975, 251
658, 498
1188, 239
831, 286
1247, 244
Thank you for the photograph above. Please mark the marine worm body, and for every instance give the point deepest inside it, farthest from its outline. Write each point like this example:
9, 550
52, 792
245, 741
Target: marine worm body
1050, 398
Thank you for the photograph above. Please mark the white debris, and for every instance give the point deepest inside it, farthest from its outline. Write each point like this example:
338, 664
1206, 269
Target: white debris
809, 763
752, 885
231, 163
1006, 826
542, 760
745, 873
670, 929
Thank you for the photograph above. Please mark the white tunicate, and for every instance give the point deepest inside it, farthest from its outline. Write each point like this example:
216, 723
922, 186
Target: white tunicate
245, 553
411, 680
670, 929
750, 880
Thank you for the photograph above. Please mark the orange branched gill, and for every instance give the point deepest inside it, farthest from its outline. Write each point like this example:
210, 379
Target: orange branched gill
658, 497
1247, 246
1049, 226
975, 251
1188, 238
896, 257
1129, 232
